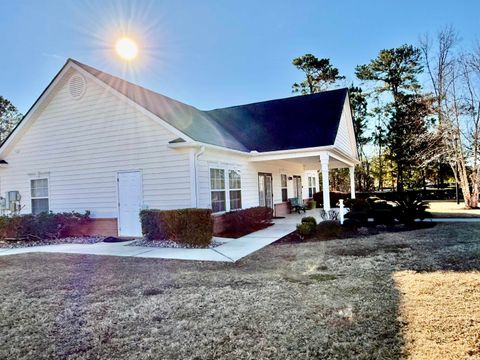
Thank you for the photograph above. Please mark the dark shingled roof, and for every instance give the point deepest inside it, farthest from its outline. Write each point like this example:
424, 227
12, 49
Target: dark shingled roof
291, 123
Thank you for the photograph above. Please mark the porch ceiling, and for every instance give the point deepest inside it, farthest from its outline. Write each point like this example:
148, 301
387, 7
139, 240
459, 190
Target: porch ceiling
309, 158
313, 162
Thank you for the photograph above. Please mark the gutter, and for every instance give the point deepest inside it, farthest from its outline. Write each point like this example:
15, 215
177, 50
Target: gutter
255, 154
196, 155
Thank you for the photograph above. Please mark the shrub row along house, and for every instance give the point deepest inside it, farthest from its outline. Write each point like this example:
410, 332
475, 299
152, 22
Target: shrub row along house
93, 141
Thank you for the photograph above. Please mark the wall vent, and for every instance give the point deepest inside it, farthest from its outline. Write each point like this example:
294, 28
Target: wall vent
77, 86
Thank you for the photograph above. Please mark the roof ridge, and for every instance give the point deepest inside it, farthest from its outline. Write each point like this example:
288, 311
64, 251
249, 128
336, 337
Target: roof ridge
306, 96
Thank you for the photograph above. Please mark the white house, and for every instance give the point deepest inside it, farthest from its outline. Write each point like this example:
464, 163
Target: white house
95, 142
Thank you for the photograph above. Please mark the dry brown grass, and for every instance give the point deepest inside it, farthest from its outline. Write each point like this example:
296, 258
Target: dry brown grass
440, 313
302, 301
449, 209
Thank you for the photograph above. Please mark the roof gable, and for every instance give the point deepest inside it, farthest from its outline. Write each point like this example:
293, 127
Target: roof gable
187, 119
284, 124
345, 139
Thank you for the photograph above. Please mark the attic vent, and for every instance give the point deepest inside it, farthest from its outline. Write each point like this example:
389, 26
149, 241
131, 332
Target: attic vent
77, 86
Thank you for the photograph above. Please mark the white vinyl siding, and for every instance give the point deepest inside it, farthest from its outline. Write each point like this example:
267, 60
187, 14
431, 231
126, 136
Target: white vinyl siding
249, 176
82, 144
345, 139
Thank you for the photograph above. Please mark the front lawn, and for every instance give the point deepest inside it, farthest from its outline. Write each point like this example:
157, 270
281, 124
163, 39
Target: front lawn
450, 209
339, 299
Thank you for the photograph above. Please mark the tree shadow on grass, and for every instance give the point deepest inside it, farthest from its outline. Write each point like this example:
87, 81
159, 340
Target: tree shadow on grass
451, 249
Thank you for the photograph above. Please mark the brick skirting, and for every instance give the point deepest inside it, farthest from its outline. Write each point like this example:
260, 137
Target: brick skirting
97, 226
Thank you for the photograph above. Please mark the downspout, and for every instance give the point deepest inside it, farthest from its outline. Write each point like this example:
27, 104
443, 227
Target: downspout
196, 155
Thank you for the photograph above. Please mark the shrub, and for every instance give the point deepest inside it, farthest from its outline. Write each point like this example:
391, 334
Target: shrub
360, 216
329, 229
411, 207
384, 216
305, 229
46, 225
357, 205
351, 224
185, 226
311, 204
309, 219
247, 220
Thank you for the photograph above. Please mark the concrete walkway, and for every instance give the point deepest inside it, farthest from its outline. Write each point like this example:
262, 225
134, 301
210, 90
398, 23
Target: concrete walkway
450, 220
232, 250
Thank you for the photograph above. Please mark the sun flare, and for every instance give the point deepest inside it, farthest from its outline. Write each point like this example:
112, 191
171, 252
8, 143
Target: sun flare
126, 48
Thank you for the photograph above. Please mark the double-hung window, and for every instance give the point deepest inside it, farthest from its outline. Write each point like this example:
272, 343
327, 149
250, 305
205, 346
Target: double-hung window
39, 195
217, 186
312, 186
283, 186
235, 189
226, 189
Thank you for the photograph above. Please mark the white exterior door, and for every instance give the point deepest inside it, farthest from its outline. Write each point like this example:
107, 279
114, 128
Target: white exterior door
130, 200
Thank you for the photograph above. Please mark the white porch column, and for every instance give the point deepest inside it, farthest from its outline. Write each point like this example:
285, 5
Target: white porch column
324, 158
352, 181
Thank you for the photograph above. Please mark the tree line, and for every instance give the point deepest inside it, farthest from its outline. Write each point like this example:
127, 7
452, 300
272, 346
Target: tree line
416, 112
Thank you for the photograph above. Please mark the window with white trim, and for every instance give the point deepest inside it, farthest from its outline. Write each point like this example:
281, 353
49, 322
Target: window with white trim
225, 189
283, 186
217, 186
235, 189
39, 195
312, 186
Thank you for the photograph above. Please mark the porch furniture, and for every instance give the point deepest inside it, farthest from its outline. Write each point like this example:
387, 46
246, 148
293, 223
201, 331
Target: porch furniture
297, 206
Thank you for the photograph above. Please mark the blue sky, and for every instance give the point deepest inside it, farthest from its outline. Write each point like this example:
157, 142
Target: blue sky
211, 53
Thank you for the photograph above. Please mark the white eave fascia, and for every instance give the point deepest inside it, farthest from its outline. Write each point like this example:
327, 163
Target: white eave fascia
343, 157
198, 144
289, 154
256, 156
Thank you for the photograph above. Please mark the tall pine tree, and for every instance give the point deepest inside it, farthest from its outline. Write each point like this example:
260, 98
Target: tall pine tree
395, 71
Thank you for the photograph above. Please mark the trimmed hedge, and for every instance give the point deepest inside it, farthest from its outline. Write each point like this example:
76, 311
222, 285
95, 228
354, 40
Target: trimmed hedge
429, 194
43, 226
247, 220
184, 226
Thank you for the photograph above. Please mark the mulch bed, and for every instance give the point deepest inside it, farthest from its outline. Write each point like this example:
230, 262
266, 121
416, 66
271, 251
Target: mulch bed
172, 244
294, 238
238, 234
14, 244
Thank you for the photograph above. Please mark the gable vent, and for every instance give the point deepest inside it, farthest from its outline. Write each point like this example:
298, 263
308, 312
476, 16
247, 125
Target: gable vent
77, 86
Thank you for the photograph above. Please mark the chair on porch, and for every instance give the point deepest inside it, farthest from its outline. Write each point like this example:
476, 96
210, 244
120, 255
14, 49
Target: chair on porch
296, 205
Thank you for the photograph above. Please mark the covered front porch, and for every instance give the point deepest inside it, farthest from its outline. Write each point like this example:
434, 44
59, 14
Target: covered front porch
318, 162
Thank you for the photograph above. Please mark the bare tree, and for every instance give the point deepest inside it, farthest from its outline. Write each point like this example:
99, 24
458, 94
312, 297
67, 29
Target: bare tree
454, 77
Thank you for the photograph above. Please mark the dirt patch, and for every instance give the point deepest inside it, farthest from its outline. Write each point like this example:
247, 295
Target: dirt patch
440, 314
